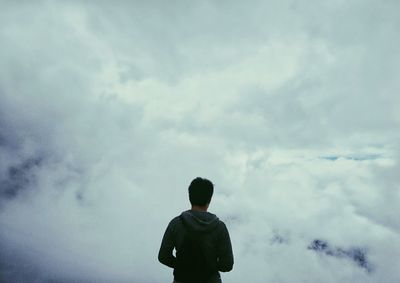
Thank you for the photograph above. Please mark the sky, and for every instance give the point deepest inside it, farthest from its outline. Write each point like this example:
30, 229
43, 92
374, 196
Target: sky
108, 110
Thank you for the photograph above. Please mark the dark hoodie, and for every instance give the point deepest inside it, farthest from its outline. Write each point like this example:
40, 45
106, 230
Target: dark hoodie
217, 243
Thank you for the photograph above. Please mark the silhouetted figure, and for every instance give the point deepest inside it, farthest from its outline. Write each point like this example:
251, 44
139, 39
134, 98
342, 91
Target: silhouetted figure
200, 239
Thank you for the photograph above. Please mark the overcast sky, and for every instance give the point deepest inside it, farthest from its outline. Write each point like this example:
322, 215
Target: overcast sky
108, 109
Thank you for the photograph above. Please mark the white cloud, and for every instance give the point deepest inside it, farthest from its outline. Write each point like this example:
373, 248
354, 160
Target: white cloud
108, 111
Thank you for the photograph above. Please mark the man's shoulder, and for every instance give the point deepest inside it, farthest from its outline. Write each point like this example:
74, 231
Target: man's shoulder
221, 225
175, 219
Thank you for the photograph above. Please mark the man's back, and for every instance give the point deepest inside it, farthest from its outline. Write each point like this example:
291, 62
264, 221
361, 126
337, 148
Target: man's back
200, 239
213, 240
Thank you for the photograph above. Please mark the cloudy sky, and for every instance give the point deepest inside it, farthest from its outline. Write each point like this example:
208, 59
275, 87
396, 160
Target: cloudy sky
108, 109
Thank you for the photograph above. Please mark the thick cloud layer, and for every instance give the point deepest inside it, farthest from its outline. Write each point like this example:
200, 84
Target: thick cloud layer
109, 110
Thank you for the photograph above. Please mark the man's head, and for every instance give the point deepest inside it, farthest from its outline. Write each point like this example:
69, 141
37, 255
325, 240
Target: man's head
200, 192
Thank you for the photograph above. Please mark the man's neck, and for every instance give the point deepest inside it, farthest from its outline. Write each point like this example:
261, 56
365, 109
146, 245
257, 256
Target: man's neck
200, 208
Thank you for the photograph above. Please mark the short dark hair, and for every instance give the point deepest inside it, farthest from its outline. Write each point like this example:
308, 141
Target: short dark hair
200, 191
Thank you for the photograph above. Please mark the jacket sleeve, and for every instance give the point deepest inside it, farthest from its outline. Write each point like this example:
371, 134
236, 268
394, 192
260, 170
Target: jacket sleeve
225, 253
165, 255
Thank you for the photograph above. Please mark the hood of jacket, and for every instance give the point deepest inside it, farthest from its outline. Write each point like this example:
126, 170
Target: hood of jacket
199, 221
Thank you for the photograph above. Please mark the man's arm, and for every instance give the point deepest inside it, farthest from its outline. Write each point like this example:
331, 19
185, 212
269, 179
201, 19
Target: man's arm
165, 255
225, 253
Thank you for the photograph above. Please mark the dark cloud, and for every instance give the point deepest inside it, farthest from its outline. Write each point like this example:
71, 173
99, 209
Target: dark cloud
358, 255
18, 178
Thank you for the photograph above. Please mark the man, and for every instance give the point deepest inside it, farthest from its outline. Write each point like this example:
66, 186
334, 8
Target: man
201, 241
